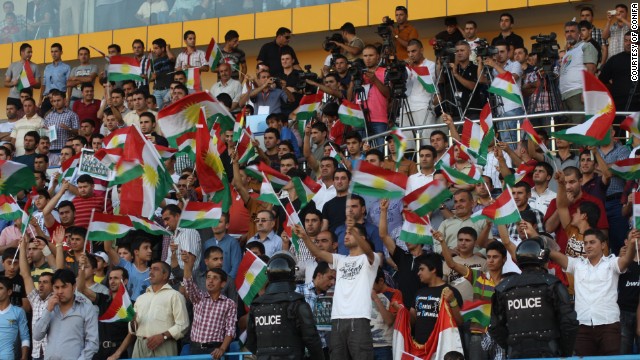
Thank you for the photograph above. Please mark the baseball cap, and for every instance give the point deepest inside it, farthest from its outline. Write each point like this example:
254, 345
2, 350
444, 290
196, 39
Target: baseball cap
102, 255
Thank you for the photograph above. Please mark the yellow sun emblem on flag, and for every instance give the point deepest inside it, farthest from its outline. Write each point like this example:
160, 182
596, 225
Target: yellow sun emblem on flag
150, 175
189, 83
5, 208
113, 228
125, 68
192, 113
200, 215
249, 277
2, 181
378, 183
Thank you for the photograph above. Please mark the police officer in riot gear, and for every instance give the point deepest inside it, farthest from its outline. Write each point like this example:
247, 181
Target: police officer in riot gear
281, 324
531, 313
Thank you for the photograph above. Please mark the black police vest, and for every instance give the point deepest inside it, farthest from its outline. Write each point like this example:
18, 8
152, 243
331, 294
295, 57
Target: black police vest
529, 309
277, 330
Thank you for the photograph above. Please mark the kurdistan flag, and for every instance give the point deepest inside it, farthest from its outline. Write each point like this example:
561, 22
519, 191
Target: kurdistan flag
213, 55
599, 112
277, 179
120, 309
477, 311
504, 85
68, 167
15, 177
416, 229
308, 105
448, 158
503, 211
26, 79
116, 138
400, 142
377, 182
122, 68
292, 220
305, 189
238, 126
527, 127
148, 226
628, 169
200, 215
208, 162
519, 174
636, 210
245, 150
424, 78
632, 124
459, 178
106, 227
351, 114
193, 79
267, 194
9, 209
251, 277
427, 198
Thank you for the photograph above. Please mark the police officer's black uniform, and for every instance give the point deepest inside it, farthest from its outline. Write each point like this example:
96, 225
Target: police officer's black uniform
281, 324
531, 313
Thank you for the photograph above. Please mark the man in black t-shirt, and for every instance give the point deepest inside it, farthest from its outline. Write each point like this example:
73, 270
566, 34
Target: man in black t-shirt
452, 34
234, 56
334, 211
270, 52
12, 272
628, 295
507, 35
426, 304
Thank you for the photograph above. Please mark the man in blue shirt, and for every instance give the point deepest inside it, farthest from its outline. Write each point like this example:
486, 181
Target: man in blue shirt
229, 245
55, 76
356, 207
13, 322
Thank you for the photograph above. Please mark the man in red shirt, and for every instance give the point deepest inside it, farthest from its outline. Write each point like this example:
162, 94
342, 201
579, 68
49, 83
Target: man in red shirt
88, 107
86, 201
573, 180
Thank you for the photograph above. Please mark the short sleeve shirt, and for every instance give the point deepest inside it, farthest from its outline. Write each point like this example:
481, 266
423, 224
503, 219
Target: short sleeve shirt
82, 70
13, 73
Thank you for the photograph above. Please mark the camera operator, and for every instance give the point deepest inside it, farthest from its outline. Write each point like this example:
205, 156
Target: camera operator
290, 77
377, 93
452, 33
330, 85
466, 74
403, 32
500, 64
353, 45
417, 97
267, 94
579, 55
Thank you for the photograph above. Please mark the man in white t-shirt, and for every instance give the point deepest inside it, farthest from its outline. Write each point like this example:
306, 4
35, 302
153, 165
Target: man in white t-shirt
355, 274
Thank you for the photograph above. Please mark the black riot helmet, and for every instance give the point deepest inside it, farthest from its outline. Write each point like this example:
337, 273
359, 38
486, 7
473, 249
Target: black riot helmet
532, 251
281, 267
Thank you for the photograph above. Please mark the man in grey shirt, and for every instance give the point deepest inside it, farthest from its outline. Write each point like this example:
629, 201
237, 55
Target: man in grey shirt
12, 76
83, 73
70, 324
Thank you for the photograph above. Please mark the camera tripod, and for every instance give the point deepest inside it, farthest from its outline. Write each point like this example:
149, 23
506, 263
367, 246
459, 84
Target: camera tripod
454, 101
553, 101
497, 106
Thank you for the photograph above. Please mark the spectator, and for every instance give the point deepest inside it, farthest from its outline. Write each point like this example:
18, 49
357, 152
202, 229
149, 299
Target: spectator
229, 246
427, 155
17, 328
616, 75
452, 33
541, 195
353, 45
139, 107
628, 292
191, 57
511, 39
183, 239
586, 28
75, 336
583, 56
586, 14
234, 56
83, 73
137, 268
385, 303
153, 12
148, 128
332, 218
403, 32
87, 202
12, 76
265, 224
356, 209
463, 203
351, 311
315, 139
7, 126
227, 85
615, 29
596, 294
158, 336
269, 95
11, 272
55, 76
31, 140
470, 32
418, 98
65, 121
270, 52
163, 65
592, 182
88, 106
467, 238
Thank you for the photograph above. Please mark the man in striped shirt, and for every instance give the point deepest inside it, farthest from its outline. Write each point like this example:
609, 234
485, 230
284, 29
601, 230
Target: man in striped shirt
65, 121
191, 57
214, 315
87, 201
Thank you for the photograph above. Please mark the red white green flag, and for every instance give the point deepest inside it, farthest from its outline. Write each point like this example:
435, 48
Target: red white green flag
377, 182
416, 229
308, 105
305, 189
427, 198
424, 78
124, 68
213, 55
116, 138
165, 152
474, 176
520, 173
148, 226
267, 194
477, 311
238, 126
475, 142
15, 177
351, 114
632, 124
106, 227
636, 210
193, 79
276, 178
208, 163
252, 276
504, 85
26, 79
245, 149
120, 309
200, 215
68, 167
503, 211
9, 209
628, 169
400, 142
292, 220
448, 158
527, 127
599, 113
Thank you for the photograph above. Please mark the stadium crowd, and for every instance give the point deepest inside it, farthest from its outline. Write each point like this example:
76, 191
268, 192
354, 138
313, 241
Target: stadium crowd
55, 285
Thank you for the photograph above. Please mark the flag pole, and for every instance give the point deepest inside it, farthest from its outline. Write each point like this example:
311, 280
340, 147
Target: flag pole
20, 242
84, 247
106, 196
